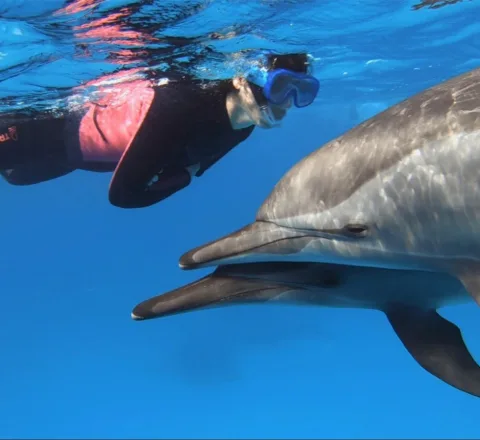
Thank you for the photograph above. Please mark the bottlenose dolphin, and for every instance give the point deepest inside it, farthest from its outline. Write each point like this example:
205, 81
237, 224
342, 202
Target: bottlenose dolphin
400, 190
409, 299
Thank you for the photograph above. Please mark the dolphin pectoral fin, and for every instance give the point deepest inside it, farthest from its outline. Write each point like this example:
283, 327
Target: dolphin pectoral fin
470, 278
437, 345
245, 245
212, 291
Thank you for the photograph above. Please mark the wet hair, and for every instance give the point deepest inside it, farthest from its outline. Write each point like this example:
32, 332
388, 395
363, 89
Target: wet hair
296, 62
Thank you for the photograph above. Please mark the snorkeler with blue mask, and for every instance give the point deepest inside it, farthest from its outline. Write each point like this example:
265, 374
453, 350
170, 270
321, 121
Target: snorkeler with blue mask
155, 136
267, 93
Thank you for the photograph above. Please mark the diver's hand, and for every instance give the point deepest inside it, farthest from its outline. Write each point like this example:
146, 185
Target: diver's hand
169, 178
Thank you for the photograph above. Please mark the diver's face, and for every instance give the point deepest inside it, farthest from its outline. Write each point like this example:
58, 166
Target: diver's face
264, 115
280, 111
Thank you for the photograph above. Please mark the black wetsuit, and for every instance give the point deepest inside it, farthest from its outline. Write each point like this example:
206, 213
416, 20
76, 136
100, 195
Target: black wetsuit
186, 123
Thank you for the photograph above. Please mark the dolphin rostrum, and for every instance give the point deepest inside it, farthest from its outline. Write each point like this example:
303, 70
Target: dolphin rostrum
409, 299
401, 190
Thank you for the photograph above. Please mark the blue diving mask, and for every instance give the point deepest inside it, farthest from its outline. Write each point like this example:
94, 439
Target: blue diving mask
282, 84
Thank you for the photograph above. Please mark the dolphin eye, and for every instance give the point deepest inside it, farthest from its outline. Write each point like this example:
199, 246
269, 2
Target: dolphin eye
356, 230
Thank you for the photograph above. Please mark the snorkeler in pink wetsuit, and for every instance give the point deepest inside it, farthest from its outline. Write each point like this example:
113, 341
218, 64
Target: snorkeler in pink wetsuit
154, 137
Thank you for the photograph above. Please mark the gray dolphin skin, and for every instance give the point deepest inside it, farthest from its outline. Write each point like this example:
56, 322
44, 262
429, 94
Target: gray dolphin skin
408, 298
401, 191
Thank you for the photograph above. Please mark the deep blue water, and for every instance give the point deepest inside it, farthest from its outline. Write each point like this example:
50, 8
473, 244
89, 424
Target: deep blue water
73, 362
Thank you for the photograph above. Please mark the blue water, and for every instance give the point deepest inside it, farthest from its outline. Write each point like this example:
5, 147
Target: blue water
73, 363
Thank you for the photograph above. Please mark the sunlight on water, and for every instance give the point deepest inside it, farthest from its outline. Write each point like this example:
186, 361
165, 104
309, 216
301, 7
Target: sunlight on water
352, 45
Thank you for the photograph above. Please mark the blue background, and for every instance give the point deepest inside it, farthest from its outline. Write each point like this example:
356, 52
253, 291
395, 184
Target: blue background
73, 363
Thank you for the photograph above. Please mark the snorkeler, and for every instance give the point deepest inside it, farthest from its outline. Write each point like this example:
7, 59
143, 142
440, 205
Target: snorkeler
155, 137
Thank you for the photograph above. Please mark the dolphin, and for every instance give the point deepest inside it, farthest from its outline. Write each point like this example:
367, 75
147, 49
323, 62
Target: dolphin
408, 298
401, 190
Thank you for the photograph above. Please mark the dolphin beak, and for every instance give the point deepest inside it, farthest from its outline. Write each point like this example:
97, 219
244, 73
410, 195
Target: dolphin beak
212, 291
254, 243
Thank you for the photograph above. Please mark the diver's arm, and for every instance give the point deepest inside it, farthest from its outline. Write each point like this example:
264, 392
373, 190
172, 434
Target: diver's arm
153, 167
230, 139
160, 187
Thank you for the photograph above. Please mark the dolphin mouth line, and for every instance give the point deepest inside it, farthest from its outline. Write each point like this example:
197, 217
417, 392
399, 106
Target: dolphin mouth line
278, 240
338, 234
253, 238
342, 235
260, 245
